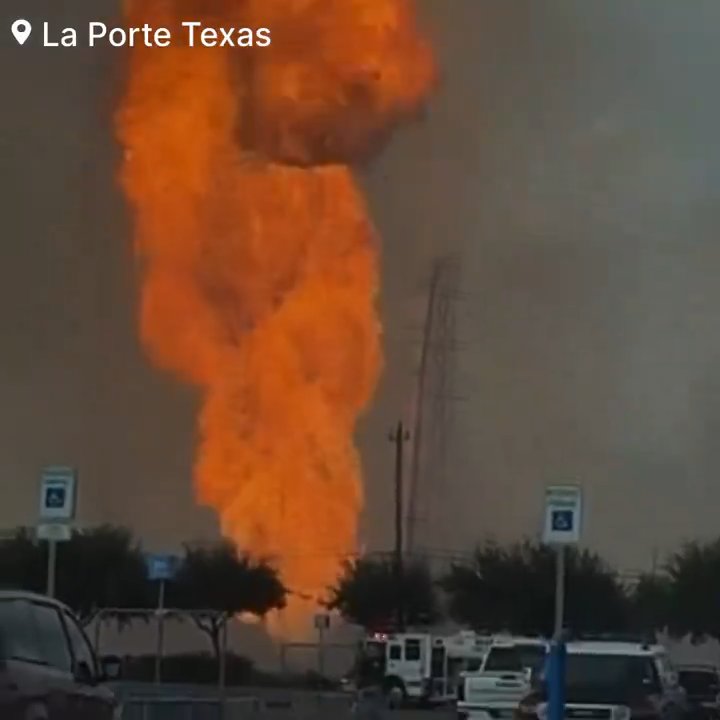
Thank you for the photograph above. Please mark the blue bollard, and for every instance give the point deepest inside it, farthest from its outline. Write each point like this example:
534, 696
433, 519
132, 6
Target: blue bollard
556, 681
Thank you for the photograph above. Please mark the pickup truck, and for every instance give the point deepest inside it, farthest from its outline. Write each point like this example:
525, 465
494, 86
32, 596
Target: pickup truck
702, 691
494, 691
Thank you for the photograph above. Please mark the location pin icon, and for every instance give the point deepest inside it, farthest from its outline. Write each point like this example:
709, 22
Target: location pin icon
21, 29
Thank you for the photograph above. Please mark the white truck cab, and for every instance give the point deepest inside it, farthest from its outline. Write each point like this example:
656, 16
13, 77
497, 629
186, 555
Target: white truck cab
494, 691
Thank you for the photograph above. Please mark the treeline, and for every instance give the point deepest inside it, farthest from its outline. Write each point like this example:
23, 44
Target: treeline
512, 589
105, 568
502, 588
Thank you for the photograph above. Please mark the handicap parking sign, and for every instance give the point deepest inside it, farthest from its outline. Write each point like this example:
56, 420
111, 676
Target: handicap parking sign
55, 497
562, 520
563, 514
57, 494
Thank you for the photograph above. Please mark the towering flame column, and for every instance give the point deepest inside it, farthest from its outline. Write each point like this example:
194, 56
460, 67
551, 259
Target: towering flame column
258, 260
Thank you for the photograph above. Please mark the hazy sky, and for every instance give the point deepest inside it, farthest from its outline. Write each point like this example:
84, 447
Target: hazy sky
570, 157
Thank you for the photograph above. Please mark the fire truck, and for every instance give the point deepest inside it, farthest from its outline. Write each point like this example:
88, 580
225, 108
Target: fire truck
421, 668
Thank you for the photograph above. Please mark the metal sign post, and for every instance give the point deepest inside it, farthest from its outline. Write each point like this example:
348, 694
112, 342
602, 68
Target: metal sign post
322, 623
161, 568
563, 516
222, 667
57, 511
52, 565
160, 632
559, 591
556, 679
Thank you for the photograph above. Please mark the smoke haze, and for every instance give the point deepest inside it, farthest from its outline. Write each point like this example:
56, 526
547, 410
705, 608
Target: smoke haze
571, 158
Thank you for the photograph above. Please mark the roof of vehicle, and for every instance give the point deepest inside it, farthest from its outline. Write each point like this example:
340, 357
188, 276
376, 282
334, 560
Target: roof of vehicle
33, 597
511, 641
614, 648
398, 637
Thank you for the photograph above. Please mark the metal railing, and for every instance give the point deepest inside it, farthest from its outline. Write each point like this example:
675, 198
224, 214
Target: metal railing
300, 705
186, 708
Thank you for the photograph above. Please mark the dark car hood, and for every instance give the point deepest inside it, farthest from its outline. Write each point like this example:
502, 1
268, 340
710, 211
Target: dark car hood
598, 695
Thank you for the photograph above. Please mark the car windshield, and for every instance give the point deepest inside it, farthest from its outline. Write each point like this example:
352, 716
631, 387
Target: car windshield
699, 682
609, 678
531, 656
514, 658
11, 627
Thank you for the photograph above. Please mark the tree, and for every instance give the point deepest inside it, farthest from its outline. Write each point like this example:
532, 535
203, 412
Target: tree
218, 578
100, 568
694, 576
23, 564
97, 568
366, 593
513, 589
650, 603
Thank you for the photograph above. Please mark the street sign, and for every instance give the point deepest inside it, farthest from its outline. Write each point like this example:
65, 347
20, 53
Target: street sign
563, 515
57, 494
322, 621
56, 532
161, 567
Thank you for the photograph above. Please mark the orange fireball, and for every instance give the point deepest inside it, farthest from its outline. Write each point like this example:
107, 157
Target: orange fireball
259, 262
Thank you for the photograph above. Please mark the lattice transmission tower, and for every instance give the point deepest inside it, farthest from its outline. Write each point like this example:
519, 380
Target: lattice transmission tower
433, 412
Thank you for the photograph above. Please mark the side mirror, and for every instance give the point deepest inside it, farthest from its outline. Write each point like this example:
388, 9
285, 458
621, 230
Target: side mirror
110, 668
672, 680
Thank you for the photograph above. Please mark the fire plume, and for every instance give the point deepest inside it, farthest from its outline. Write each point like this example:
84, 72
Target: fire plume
259, 262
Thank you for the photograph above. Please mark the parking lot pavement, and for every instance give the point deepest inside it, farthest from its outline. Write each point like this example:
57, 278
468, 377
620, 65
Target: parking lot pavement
327, 713
333, 715
274, 706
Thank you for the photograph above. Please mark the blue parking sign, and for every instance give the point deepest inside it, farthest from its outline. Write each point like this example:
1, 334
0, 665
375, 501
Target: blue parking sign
562, 520
55, 496
161, 567
563, 514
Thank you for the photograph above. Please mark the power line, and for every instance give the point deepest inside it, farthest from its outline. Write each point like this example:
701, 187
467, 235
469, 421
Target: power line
435, 390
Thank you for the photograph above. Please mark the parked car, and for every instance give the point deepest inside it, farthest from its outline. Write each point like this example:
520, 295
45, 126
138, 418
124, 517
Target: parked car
48, 669
702, 688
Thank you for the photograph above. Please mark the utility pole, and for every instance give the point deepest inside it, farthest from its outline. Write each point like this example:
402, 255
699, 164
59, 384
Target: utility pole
399, 437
